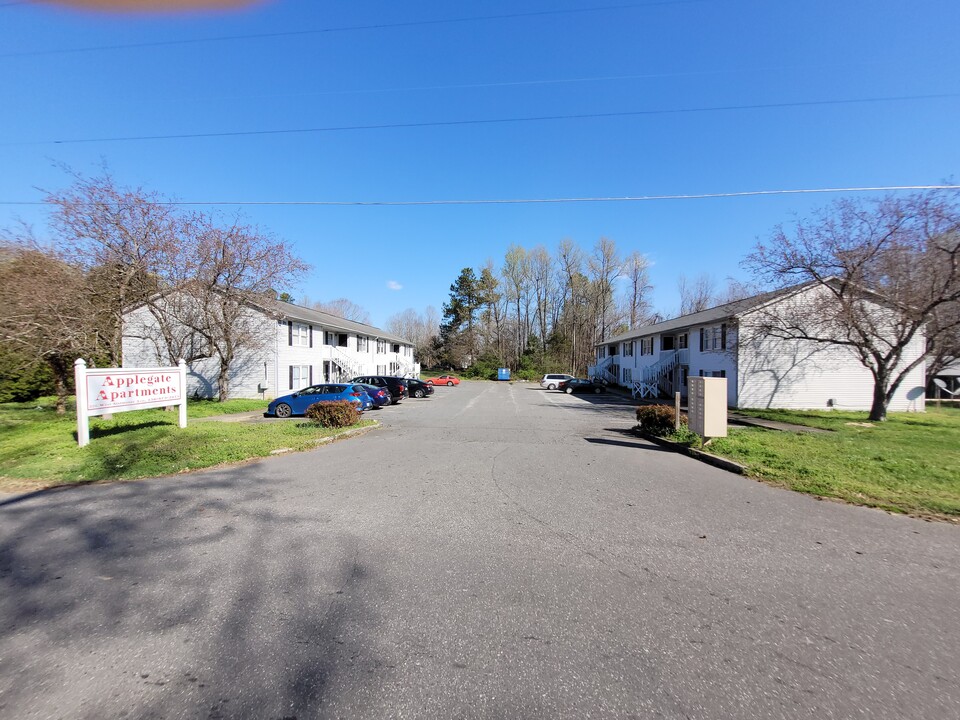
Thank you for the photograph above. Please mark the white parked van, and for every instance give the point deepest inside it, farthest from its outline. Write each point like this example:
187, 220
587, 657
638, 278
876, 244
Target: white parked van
550, 382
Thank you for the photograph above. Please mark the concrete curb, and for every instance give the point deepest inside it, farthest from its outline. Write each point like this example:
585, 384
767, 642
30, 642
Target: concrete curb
347, 434
715, 460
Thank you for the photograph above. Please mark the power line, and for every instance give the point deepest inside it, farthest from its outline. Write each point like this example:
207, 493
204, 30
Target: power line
489, 121
535, 201
345, 28
516, 83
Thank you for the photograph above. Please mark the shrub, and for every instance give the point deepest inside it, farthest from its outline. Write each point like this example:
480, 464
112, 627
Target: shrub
657, 419
334, 414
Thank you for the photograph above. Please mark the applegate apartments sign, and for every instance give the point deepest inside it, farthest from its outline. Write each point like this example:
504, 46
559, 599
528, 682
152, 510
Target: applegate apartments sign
109, 390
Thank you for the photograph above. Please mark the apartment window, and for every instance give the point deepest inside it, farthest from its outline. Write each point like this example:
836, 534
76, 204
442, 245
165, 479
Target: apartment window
382, 346
627, 375
682, 341
713, 373
713, 338
646, 346
628, 349
300, 376
361, 344
299, 334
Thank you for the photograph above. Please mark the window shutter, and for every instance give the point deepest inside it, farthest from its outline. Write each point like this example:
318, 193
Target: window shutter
311, 345
701, 342
311, 368
290, 342
723, 336
291, 377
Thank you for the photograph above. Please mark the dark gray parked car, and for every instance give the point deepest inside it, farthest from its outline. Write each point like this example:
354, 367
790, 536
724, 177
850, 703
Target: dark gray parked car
396, 385
418, 388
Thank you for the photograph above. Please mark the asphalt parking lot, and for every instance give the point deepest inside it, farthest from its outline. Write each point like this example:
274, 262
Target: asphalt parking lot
494, 551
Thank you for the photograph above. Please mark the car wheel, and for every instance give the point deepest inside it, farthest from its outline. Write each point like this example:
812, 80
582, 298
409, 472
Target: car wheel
449, 383
418, 393
551, 386
598, 390
283, 411
569, 391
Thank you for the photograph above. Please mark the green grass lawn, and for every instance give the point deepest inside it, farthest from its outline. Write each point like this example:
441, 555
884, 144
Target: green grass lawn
39, 449
908, 464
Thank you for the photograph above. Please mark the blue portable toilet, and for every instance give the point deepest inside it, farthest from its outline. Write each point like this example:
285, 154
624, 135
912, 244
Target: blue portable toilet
503, 373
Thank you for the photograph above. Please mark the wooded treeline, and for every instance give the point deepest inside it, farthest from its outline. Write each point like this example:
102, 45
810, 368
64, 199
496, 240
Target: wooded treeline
541, 311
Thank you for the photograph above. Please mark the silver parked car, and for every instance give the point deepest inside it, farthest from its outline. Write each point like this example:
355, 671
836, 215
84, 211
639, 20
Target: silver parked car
552, 381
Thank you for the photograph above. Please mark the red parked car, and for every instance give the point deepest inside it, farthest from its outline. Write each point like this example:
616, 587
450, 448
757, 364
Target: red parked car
448, 380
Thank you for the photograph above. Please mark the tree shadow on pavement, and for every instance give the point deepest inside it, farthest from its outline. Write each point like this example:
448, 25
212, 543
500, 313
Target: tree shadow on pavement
187, 598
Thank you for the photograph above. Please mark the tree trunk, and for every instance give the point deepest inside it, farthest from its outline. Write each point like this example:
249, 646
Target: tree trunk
878, 410
223, 382
59, 383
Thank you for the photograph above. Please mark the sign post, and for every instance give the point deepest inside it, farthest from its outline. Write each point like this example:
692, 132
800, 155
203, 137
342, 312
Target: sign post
101, 391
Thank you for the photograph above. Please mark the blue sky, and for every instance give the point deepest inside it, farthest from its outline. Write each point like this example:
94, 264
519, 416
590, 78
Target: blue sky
427, 63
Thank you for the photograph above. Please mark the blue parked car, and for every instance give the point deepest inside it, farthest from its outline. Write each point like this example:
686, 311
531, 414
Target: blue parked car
298, 402
380, 396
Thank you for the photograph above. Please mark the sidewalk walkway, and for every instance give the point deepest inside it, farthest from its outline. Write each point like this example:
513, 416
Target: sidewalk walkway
735, 418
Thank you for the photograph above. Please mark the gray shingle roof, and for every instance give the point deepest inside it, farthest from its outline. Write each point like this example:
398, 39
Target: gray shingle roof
709, 316
289, 311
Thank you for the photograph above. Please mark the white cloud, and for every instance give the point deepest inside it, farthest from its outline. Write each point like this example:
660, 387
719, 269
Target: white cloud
394, 285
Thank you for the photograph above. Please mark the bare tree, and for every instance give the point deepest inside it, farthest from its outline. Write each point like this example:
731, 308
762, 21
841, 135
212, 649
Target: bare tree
419, 329
46, 312
576, 326
544, 291
944, 346
637, 271
124, 238
884, 269
516, 277
604, 266
735, 290
344, 308
695, 294
230, 268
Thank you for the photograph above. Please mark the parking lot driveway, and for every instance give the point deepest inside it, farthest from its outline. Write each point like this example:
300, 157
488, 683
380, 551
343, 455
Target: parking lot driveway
496, 551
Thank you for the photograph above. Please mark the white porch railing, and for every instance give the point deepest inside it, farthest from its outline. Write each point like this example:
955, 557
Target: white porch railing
604, 370
651, 376
348, 367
